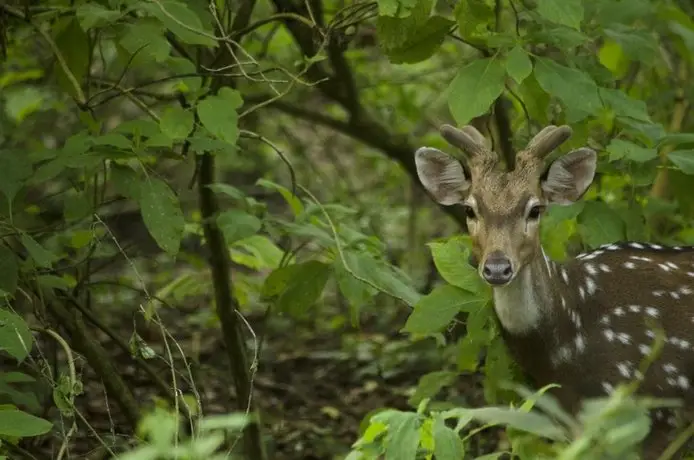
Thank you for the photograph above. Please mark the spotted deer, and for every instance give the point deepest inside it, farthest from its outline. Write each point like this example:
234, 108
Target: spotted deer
580, 323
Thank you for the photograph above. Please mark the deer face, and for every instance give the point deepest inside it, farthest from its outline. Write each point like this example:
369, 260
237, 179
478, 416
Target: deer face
503, 208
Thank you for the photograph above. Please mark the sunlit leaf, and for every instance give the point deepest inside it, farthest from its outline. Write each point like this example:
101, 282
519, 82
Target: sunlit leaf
93, 15
451, 260
518, 64
218, 114
599, 224
436, 310
147, 39
683, 159
475, 88
447, 443
237, 224
619, 148
182, 21
176, 123
40, 255
574, 88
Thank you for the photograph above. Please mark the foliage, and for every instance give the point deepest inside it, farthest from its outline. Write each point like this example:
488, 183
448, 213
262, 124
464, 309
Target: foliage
119, 108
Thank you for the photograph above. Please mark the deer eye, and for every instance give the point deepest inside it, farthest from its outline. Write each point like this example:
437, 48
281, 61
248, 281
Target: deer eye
535, 212
469, 212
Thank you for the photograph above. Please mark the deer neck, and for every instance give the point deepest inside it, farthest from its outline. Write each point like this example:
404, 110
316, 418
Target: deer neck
526, 302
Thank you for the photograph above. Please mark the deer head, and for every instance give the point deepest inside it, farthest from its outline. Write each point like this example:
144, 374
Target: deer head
503, 208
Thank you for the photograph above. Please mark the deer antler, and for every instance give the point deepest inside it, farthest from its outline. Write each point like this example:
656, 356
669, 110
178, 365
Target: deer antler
470, 141
545, 142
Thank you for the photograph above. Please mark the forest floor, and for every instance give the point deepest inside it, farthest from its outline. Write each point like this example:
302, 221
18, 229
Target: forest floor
313, 386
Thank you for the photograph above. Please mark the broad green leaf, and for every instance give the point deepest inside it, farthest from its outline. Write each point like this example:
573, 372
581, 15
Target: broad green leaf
640, 45
683, 159
382, 276
218, 114
183, 66
625, 106
599, 224
475, 18
560, 36
40, 255
92, 15
146, 38
566, 12
574, 88
9, 270
298, 286
19, 424
162, 215
176, 123
403, 435
15, 336
475, 340
451, 260
257, 252
126, 181
430, 384
518, 64
676, 139
530, 422
182, 21
475, 88
619, 149
114, 140
612, 57
436, 310
396, 8
423, 42
16, 169
54, 282
447, 443
237, 225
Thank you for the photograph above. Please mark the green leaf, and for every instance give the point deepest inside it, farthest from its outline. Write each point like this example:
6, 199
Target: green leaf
625, 106
529, 422
430, 384
176, 123
125, 181
146, 38
451, 260
599, 224
237, 225
182, 21
475, 88
16, 169
292, 200
683, 159
357, 292
436, 310
218, 114
92, 15
76, 206
19, 424
403, 435
475, 340
574, 88
74, 45
257, 252
382, 276
421, 43
15, 336
228, 190
475, 19
447, 443
566, 12
676, 139
9, 270
640, 45
299, 286
518, 64
619, 149
40, 255
162, 215
396, 8
20, 102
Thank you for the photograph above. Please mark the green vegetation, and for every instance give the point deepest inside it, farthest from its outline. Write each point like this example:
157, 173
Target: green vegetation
214, 239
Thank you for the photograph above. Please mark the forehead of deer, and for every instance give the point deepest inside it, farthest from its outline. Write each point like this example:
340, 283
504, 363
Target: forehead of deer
505, 193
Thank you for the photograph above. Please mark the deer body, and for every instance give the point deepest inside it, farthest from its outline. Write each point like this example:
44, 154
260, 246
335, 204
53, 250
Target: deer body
582, 323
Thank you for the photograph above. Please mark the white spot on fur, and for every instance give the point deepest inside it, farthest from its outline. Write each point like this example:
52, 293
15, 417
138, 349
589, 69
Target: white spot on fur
634, 308
590, 268
641, 258
565, 275
624, 369
670, 368
591, 287
607, 387
629, 265
624, 337
652, 312
644, 349
665, 267
636, 245
580, 343
619, 311
605, 320
609, 334
604, 268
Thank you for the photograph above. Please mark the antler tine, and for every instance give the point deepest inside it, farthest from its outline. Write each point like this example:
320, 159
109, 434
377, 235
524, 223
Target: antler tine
547, 140
467, 139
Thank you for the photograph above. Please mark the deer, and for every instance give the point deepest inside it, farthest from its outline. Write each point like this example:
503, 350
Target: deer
582, 323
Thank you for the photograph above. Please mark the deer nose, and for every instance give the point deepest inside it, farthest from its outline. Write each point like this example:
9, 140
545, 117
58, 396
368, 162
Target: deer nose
497, 269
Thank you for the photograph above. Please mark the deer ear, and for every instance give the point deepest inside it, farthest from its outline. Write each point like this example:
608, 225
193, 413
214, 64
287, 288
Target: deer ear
442, 175
569, 177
